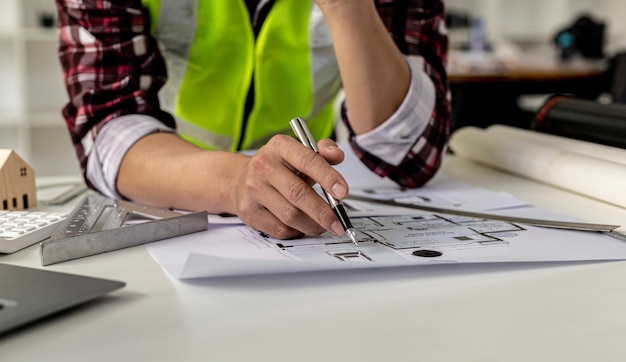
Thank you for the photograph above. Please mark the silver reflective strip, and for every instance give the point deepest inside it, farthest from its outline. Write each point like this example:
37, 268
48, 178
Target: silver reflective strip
210, 139
175, 30
324, 68
176, 68
176, 26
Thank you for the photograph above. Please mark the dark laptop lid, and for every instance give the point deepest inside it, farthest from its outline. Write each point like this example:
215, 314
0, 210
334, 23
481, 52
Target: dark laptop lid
27, 294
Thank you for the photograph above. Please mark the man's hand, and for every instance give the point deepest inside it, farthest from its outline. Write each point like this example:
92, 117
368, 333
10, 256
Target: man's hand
274, 193
270, 191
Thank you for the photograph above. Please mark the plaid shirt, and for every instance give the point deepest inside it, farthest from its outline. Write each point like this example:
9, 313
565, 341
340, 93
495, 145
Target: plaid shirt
113, 68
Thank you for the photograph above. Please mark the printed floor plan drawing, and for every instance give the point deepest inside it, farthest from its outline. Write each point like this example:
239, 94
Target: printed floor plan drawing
392, 237
383, 238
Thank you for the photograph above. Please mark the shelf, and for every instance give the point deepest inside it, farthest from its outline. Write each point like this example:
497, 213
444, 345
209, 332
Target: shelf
35, 34
39, 34
11, 120
32, 93
48, 119
41, 119
6, 35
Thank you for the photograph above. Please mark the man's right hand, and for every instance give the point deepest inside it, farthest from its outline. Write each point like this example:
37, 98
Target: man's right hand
270, 191
274, 192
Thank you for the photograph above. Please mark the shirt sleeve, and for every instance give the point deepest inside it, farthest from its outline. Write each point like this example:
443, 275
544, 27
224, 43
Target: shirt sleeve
409, 146
111, 67
115, 138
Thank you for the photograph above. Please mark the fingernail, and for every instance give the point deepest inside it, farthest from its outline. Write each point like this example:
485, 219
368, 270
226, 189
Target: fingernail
339, 190
337, 228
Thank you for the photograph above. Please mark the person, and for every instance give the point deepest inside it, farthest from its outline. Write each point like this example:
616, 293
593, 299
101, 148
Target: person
237, 72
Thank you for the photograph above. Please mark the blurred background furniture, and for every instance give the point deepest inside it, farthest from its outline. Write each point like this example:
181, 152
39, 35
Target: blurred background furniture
529, 51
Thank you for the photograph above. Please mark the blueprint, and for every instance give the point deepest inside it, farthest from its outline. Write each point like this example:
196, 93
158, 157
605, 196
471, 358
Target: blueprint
393, 238
416, 238
389, 236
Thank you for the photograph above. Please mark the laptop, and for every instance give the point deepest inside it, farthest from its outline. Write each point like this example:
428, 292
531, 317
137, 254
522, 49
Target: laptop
28, 294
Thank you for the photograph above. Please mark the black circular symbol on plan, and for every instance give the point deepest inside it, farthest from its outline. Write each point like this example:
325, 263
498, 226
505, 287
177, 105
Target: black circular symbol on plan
427, 253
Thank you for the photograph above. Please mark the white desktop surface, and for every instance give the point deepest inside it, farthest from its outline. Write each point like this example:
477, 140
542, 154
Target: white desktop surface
551, 312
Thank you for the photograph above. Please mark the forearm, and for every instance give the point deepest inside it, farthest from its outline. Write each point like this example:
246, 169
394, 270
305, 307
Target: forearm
163, 170
408, 147
374, 73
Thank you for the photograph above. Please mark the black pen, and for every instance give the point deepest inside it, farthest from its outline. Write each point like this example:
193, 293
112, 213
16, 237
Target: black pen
301, 130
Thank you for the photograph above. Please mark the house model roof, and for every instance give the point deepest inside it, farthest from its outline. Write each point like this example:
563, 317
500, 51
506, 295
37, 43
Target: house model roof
4, 155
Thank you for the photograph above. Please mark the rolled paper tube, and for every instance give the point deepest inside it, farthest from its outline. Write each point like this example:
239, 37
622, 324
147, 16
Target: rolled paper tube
596, 150
554, 161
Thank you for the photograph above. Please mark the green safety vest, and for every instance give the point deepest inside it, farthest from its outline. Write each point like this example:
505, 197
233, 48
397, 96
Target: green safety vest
211, 56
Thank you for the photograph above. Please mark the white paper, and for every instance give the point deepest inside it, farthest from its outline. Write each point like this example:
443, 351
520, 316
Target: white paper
573, 165
386, 241
390, 238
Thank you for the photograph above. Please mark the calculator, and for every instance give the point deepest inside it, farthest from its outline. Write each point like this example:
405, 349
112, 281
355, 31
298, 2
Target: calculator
19, 229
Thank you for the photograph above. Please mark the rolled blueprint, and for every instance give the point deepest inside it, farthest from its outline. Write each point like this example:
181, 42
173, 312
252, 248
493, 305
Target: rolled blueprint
596, 150
589, 169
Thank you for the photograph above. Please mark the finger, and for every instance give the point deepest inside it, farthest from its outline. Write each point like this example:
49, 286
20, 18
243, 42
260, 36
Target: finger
275, 216
293, 217
315, 166
330, 151
295, 203
252, 212
271, 180
297, 158
263, 220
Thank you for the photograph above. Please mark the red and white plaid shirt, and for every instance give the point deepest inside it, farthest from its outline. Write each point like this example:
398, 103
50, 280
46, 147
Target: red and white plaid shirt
113, 71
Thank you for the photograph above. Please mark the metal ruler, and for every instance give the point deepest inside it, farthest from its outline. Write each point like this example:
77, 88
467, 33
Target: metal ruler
99, 224
522, 220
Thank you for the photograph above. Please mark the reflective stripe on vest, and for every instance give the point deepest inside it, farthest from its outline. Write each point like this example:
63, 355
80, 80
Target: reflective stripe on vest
211, 56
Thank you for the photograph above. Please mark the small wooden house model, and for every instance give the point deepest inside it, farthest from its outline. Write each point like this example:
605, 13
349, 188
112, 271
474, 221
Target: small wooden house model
17, 182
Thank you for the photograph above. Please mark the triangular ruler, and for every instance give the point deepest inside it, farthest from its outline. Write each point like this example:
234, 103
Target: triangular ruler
99, 224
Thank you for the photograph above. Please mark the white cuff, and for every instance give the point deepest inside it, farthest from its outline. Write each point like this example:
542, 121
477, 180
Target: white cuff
393, 140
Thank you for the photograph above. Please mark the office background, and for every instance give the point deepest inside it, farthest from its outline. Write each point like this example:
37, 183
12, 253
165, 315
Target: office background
572, 312
32, 93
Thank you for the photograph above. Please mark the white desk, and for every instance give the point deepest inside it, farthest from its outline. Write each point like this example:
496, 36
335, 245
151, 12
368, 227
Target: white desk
510, 313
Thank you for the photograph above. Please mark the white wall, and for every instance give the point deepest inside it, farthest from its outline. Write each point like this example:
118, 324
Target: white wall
31, 90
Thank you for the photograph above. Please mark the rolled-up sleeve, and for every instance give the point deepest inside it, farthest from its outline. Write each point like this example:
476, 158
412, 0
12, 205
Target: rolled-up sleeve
112, 67
409, 146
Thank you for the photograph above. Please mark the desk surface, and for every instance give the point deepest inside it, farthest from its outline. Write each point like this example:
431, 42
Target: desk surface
524, 75
571, 312
542, 67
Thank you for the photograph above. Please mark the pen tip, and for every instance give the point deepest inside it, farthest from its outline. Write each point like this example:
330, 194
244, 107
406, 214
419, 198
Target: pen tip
352, 234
